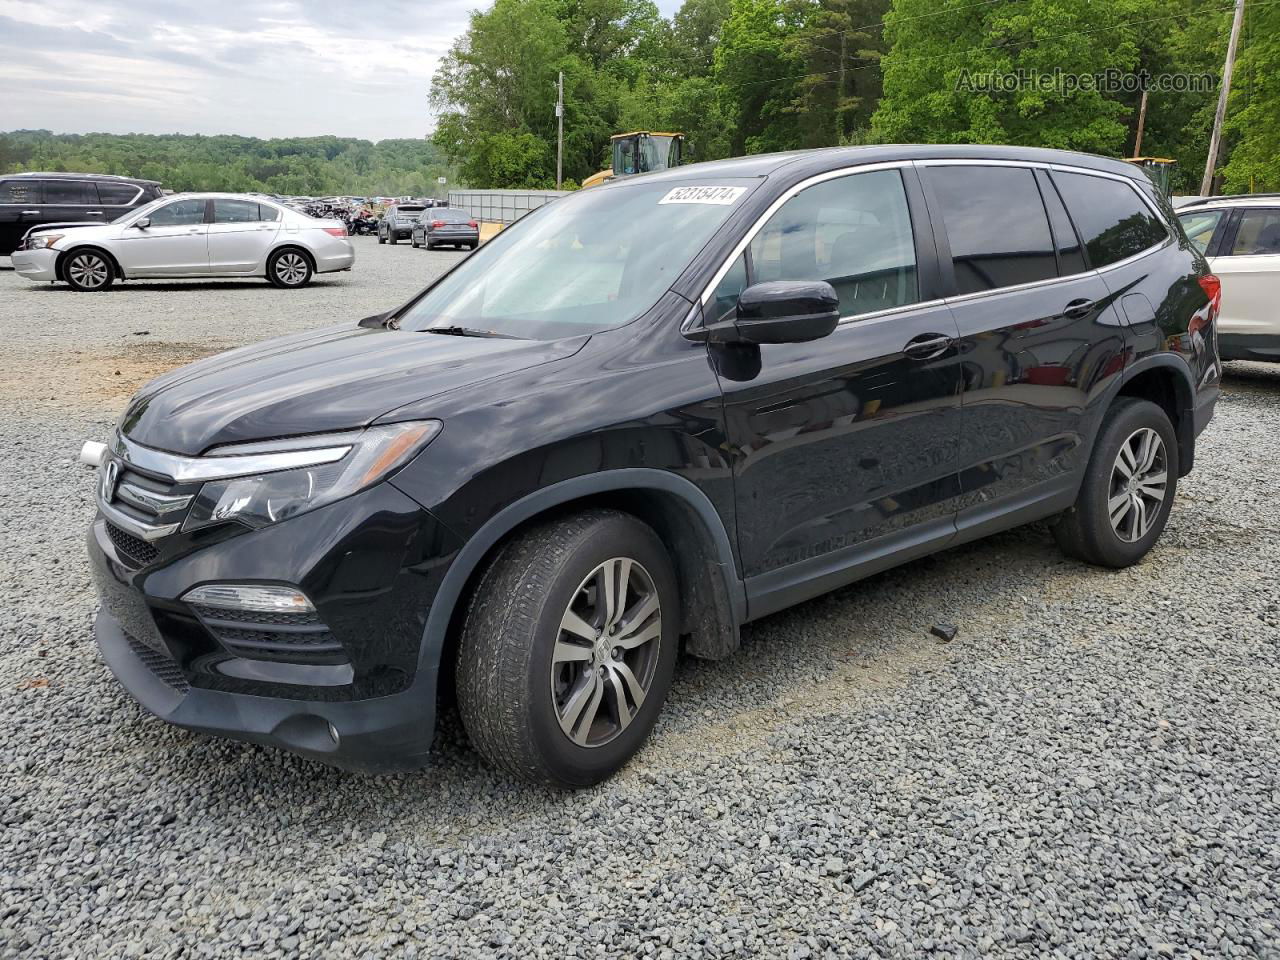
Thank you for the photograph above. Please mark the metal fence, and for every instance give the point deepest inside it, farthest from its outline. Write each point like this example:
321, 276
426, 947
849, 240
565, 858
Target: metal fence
501, 206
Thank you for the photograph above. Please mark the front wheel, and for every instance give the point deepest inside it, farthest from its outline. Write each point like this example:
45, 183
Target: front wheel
568, 648
88, 271
289, 269
1128, 488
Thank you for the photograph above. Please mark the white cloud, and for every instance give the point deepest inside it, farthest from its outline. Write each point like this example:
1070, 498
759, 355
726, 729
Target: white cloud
273, 68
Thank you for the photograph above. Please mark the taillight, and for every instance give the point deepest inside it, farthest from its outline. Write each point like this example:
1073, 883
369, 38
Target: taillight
472, 224
1212, 288
437, 223
335, 231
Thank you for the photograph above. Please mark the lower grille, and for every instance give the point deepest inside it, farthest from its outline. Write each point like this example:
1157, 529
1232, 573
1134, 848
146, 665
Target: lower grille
297, 637
161, 665
133, 548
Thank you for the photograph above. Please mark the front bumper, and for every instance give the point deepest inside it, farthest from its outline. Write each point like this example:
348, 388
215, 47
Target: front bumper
371, 564
36, 264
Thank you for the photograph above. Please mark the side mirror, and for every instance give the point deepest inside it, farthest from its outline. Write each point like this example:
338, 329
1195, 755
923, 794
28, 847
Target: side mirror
779, 311
142, 223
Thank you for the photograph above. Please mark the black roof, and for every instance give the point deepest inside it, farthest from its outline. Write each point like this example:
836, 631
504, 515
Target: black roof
62, 175
808, 162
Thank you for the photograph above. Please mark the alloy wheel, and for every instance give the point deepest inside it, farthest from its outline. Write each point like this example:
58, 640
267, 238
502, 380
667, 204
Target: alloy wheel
88, 270
291, 268
1139, 482
606, 652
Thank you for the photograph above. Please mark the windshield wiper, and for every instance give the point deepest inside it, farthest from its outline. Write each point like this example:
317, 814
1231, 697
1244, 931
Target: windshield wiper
469, 332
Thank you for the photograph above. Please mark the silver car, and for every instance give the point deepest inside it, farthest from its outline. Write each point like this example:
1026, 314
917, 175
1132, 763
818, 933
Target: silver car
188, 235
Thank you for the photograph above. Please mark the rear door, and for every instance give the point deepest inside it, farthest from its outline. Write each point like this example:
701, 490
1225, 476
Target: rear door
1248, 265
844, 449
19, 211
1038, 333
71, 200
241, 235
175, 243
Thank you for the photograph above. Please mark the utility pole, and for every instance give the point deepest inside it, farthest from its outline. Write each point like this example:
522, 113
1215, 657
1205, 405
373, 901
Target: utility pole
1215, 141
1142, 122
560, 130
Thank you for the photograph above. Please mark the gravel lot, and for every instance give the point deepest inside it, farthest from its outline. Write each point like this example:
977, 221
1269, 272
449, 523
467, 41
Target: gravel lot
1089, 769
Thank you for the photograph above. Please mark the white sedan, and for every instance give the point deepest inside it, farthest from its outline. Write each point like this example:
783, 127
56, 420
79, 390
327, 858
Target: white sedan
188, 235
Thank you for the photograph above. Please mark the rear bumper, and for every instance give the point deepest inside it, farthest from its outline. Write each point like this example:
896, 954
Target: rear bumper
1241, 346
439, 237
342, 260
36, 264
386, 733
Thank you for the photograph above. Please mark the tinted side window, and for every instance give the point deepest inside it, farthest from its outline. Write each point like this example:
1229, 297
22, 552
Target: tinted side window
1070, 253
179, 213
724, 299
1258, 233
19, 191
854, 232
268, 213
235, 211
69, 191
996, 224
1200, 227
116, 193
1113, 220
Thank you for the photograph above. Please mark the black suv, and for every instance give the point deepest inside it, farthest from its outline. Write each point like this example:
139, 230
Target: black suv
585, 447
33, 199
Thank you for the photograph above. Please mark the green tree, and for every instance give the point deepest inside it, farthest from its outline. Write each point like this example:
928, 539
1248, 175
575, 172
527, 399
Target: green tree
1254, 107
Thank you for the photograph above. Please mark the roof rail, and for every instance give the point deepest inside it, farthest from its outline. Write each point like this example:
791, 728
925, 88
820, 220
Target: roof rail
1199, 201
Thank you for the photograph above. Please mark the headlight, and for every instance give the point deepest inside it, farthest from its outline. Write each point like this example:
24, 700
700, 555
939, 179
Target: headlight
43, 240
258, 499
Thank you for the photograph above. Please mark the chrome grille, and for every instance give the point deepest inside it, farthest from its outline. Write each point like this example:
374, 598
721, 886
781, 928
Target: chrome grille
144, 506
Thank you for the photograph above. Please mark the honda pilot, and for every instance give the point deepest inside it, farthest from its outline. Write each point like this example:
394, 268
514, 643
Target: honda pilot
584, 448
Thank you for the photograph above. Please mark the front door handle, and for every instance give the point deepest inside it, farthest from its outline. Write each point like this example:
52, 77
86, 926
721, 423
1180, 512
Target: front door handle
94, 213
31, 213
927, 346
1078, 309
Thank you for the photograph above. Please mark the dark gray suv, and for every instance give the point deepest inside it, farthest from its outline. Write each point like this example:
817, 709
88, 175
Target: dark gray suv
34, 199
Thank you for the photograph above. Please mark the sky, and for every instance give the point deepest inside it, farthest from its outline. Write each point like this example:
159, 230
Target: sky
273, 68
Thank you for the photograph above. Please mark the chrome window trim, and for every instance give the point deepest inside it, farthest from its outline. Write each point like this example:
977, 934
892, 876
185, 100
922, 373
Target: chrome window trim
889, 311
1019, 288
189, 469
773, 208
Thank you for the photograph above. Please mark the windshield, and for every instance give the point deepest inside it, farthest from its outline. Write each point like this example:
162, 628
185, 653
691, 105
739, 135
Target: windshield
141, 211
591, 261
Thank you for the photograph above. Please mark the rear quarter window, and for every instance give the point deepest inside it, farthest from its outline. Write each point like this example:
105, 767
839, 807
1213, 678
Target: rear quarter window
1112, 218
117, 194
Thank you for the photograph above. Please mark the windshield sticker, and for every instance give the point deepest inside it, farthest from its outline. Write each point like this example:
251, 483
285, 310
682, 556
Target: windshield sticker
721, 196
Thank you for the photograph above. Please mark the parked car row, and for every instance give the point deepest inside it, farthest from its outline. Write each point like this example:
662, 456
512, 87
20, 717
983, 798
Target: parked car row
429, 226
584, 448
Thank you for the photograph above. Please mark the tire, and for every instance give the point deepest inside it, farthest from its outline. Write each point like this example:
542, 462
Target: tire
1135, 436
289, 269
557, 721
473, 244
430, 245
391, 237
414, 240
381, 238
88, 271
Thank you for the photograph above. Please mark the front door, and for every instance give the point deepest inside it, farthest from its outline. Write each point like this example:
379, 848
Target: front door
844, 449
241, 235
174, 243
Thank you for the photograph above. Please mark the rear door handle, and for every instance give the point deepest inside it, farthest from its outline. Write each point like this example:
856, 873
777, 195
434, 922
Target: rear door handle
94, 213
31, 213
1078, 309
927, 346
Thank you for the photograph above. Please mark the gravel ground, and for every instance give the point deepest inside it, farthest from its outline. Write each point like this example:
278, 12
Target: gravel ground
1089, 769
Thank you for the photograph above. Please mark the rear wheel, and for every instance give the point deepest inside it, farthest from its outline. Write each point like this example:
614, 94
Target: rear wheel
88, 271
414, 240
381, 238
289, 269
568, 648
1128, 488
391, 237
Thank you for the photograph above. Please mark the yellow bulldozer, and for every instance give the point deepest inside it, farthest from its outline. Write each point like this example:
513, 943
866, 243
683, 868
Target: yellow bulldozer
641, 151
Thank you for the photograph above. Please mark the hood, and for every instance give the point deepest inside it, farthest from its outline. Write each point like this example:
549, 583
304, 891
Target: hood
58, 227
334, 379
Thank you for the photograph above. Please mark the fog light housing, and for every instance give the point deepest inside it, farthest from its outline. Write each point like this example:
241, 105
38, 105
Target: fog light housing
253, 597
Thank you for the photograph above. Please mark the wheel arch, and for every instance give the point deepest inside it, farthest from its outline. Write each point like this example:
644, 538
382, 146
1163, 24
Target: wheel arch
1166, 381
712, 598
289, 245
80, 248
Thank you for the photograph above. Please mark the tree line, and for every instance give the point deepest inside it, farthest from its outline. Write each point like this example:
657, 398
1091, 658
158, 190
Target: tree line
748, 76
295, 166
